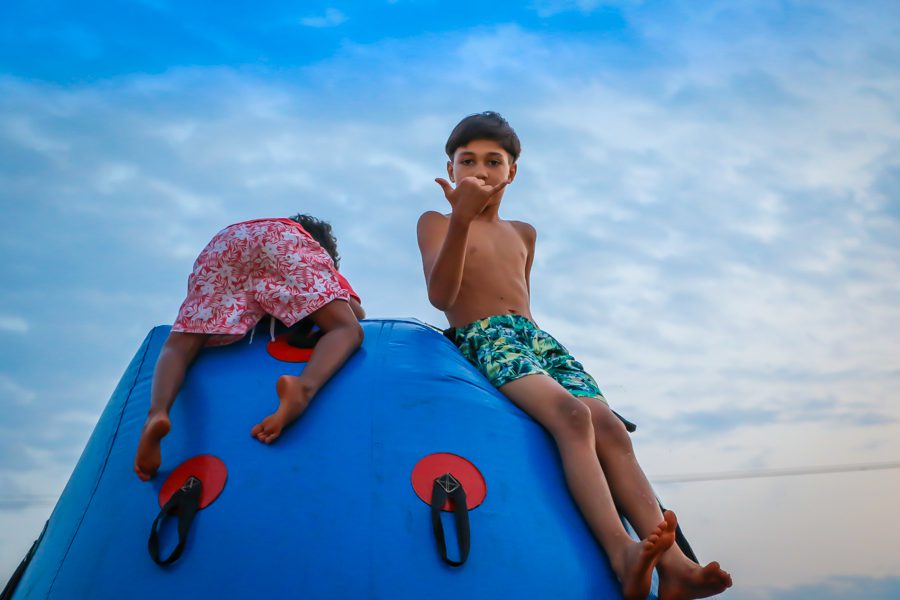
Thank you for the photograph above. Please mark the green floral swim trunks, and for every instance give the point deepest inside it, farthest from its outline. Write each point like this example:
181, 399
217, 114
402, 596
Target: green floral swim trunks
507, 347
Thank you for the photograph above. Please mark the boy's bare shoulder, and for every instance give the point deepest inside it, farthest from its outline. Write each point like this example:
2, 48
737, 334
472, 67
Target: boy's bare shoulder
526, 230
432, 217
431, 229
431, 220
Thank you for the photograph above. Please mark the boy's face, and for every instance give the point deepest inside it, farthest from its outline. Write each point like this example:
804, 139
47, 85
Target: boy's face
484, 159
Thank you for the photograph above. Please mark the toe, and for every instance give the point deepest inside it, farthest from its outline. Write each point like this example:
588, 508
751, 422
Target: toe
670, 520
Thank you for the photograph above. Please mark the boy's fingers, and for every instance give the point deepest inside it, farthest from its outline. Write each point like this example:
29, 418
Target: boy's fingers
499, 187
445, 185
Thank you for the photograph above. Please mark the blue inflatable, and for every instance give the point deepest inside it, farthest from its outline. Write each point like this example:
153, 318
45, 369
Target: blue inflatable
329, 509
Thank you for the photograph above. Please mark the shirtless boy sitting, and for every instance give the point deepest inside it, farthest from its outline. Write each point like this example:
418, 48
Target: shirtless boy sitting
477, 269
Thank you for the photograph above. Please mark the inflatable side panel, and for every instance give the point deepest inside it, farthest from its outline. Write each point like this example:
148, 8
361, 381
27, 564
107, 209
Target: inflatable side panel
67, 516
328, 510
527, 536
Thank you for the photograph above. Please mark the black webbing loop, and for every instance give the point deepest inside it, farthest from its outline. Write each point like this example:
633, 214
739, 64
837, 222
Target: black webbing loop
629, 426
682, 541
448, 487
185, 503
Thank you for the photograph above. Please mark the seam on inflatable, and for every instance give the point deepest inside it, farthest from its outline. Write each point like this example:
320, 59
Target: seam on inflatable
105, 461
381, 351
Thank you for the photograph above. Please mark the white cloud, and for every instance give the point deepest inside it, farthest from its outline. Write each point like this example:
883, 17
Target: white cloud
331, 18
548, 8
12, 393
13, 324
710, 237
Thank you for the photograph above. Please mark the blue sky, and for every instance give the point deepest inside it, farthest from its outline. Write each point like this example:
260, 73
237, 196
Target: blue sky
715, 189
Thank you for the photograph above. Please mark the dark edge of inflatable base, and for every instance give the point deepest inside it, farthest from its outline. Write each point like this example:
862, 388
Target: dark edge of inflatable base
144, 350
13, 582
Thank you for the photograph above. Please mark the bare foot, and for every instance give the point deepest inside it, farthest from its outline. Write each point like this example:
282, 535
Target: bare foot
293, 397
636, 570
148, 457
690, 580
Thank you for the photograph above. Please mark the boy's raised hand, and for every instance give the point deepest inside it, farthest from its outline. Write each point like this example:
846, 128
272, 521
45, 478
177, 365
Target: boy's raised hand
470, 196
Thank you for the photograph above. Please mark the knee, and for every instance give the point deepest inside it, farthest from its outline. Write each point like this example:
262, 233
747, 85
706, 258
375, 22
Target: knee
357, 333
344, 324
352, 331
608, 428
573, 419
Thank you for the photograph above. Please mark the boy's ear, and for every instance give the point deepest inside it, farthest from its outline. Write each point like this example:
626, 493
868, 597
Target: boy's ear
450, 170
512, 171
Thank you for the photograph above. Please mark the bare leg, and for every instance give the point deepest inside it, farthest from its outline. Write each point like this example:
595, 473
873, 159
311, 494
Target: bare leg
680, 577
342, 336
178, 352
569, 422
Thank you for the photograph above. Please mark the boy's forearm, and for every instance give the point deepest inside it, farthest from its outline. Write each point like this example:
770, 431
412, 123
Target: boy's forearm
446, 275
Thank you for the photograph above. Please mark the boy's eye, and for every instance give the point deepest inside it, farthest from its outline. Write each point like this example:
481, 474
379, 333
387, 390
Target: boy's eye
494, 163
467, 161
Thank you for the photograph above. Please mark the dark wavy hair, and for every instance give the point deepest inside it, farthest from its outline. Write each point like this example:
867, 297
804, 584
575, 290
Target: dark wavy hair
488, 125
321, 232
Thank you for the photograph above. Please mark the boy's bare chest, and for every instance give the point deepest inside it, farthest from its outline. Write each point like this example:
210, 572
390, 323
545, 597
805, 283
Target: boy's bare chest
495, 246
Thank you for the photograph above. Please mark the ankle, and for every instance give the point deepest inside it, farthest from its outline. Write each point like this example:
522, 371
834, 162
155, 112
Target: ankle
307, 389
673, 560
618, 557
299, 388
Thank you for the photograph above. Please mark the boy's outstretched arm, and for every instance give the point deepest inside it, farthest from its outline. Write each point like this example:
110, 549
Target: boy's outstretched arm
443, 241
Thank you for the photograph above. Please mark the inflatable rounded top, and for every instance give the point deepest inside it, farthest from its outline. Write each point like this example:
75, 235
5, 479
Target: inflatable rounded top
331, 509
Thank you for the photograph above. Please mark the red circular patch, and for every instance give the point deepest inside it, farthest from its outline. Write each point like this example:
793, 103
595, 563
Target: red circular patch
207, 468
434, 465
280, 349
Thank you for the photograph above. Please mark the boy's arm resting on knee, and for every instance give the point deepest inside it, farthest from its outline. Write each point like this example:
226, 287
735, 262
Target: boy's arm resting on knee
442, 242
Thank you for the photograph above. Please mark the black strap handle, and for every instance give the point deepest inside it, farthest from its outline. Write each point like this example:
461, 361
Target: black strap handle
448, 487
629, 426
680, 539
185, 503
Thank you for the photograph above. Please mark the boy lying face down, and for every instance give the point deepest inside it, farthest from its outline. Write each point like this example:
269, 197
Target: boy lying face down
286, 268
